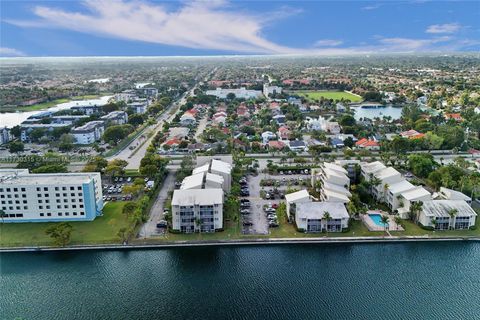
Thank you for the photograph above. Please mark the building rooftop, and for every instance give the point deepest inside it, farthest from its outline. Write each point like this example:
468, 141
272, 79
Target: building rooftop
197, 197
194, 181
24, 178
335, 167
295, 196
203, 168
214, 178
221, 166
441, 208
316, 210
89, 126
450, 194
387, 173
414, 194
400, 187
372, 166
336, 188
335, 196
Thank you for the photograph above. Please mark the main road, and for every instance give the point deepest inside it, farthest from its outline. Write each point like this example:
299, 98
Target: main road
140, 144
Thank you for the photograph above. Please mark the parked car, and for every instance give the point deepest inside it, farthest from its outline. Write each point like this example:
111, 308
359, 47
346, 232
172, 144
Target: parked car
273, 224
162, 224
247, 223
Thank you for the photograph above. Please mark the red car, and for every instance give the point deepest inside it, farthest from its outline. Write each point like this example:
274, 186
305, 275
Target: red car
274, 206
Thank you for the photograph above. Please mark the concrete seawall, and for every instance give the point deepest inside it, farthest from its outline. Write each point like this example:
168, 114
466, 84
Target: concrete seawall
241, 242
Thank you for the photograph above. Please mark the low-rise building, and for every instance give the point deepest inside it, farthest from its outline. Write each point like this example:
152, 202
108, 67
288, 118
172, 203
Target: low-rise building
26, 129
116, 118
138, 107
321, 216
5, 136
86, 109
449, 194
292, 199
88, 133
48, 197
220, 168
197, 210
68, 119
202, 180
447, 214
241, 93
271, 90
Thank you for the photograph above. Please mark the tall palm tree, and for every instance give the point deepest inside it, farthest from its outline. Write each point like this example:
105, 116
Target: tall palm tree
2, 214
384, 220
327, 217
415, 209
452, 213
433, 220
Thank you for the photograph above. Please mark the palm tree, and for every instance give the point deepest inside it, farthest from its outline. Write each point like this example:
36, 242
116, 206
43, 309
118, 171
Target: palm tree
452, 213
433, 220
2, 214
327, 217
415, 209
384, 220
398, 221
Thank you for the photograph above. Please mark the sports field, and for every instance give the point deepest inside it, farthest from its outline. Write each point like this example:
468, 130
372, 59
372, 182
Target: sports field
335, 95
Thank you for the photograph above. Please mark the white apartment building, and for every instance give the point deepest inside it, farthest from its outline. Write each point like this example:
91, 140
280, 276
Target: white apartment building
310, 216
5, 136
202, 180
27, 128
219, 168
197, 210
139, 107
116, 117
88, 133
268, 90
241, 93
438, 211
449, 194
48, 197
292, 199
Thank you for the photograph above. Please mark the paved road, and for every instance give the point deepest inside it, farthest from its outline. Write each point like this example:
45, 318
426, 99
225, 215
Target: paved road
201, 126
149, 229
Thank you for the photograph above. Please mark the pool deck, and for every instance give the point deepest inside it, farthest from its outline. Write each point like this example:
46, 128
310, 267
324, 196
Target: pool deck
372, 226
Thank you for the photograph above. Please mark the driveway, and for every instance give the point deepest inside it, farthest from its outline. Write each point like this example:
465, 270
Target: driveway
149, 229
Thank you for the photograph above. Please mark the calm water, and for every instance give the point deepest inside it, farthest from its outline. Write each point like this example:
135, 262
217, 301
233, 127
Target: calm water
11, 119
394, 112
375, 281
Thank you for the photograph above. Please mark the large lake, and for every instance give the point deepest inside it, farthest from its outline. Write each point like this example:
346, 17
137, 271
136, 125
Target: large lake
405, 281
371, 113
12, 119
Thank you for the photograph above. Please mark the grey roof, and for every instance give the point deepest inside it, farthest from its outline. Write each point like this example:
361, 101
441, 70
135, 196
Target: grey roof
197, 197
316, 210
440, 208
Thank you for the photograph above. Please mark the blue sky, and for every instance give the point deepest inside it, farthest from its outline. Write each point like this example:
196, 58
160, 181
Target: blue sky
218, 27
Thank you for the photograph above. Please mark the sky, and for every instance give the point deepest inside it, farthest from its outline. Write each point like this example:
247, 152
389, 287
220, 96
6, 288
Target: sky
221, 27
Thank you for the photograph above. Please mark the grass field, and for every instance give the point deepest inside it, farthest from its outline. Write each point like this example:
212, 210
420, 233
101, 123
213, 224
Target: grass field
335, 95
103, 229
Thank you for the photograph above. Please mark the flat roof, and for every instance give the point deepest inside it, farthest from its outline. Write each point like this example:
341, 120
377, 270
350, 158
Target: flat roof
295, 196
197, 197
335, 195
418, 192
221, 166
441, 208
387, 173
400, 187
335, 167
193, 181
371, 167
47, 178
336, 188
316, 210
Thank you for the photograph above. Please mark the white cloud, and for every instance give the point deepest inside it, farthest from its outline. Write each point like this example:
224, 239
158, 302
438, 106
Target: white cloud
371, 7
11, 52
328, 43
214, 25
197, 24
444, 28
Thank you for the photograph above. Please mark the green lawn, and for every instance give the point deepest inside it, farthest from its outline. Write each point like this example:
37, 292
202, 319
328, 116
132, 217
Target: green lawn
102, 230
48, 104
335, 95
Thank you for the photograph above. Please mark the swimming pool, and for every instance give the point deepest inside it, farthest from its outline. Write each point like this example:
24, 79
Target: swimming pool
377, 219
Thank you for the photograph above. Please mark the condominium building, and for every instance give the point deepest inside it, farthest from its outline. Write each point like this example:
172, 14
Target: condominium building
88, 133
48, 197
202, 180
270, 90
293, 198
116, 117
197, 210
5, 135
321, 216
332, 181
27, 128
218, 167
139, 107
447, 214
241, 93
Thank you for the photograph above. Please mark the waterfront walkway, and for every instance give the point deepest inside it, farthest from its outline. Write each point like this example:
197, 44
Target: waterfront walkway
241, 242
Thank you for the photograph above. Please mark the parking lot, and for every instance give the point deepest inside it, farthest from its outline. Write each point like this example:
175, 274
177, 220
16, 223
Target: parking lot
113, 190
274, 195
